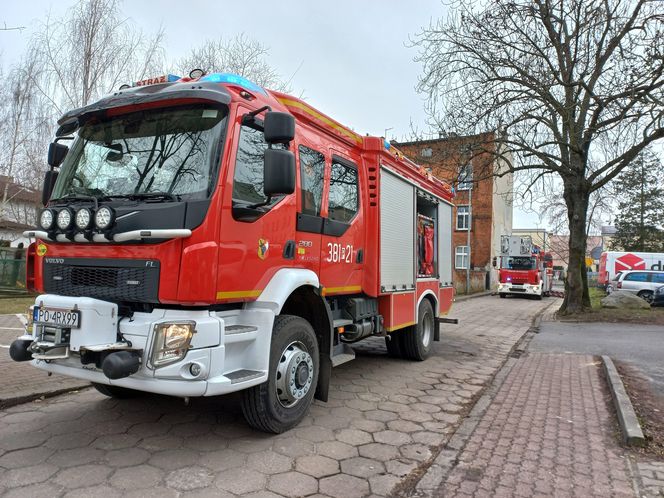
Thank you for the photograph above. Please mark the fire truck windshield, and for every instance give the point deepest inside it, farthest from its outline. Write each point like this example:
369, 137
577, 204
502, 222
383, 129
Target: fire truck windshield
164, 153
519, 263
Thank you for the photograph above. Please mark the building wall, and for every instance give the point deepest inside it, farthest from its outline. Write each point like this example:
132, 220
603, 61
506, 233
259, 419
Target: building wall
491, 200
503, 200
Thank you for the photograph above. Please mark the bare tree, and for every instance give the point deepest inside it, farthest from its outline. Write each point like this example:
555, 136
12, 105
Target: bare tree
238, 55
23, 123
555, 78
90, 52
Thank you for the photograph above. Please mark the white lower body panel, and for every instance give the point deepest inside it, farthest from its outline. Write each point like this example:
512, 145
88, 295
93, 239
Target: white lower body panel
232, 349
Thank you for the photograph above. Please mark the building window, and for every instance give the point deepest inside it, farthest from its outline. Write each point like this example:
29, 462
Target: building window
465, 177
463, 218
426, 152
461, 258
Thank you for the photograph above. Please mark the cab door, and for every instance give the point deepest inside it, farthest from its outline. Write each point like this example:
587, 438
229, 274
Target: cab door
343, 234
311, 173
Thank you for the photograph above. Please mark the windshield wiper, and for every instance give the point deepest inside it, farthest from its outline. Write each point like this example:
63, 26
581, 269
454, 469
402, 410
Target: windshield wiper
148, 195
79, 197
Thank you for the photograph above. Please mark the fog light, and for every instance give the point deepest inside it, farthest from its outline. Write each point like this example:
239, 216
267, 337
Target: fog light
195, 369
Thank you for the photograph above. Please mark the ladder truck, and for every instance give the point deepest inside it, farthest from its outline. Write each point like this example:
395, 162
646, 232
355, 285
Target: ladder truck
524, 268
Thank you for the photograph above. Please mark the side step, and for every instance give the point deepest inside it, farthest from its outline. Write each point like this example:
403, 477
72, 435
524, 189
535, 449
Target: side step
342, 353
243, 375
239, 329
439, 320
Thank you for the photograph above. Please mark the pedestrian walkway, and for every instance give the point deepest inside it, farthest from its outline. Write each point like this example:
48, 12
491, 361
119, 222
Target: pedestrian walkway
549, 431
21, 381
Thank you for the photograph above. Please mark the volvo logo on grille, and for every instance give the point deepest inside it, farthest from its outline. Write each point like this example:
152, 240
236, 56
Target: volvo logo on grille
57, 261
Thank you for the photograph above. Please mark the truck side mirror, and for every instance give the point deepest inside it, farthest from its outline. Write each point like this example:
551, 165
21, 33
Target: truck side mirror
49, 182
278, 172
56, 154
278, 127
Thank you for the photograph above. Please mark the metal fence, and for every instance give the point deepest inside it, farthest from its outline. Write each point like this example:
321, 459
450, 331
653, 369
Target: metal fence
592, 279
12, 269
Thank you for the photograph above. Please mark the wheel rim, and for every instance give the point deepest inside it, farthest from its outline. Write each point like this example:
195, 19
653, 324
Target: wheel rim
427, 329
295, 374
647, 296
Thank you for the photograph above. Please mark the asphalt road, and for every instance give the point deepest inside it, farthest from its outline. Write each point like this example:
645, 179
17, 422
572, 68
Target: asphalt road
640, 345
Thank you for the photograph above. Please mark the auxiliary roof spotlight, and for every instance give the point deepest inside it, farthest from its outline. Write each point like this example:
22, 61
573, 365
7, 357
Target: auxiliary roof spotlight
196, 73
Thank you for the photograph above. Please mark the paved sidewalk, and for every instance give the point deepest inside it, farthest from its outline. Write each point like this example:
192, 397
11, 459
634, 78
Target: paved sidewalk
651, 476
21, 381
384, 422
548, 432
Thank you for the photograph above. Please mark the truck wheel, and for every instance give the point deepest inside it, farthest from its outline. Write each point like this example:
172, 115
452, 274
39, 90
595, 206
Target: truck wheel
417, 340
116, 392
393, 344
646, 296
283, 401
538, 297
502, 295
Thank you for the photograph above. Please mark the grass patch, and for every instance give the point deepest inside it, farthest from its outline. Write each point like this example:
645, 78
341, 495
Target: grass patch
652, 316
596, 294
15, 304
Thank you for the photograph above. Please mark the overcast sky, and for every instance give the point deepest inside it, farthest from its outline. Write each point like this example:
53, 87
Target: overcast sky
348, 58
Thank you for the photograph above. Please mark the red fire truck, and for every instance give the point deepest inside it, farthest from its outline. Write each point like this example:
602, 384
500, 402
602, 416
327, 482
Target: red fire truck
524, 268
204, 235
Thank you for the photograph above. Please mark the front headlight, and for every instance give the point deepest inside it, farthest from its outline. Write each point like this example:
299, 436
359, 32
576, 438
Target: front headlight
171, 342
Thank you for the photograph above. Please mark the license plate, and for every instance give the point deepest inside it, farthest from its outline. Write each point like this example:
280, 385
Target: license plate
70, 319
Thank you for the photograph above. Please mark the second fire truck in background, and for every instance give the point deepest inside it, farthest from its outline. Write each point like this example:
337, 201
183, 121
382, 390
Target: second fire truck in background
524, 268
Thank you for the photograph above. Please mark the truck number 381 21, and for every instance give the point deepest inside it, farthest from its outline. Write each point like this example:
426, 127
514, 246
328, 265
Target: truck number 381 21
339, 253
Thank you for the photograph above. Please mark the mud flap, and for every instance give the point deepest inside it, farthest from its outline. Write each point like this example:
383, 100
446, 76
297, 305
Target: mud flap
324, 375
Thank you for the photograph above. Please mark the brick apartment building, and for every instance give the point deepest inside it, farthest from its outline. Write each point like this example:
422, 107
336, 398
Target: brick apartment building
483, 202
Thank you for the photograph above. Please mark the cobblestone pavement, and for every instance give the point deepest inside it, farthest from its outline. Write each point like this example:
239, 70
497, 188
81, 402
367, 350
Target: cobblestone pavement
20, 381
651, 478
549, 431
385, 420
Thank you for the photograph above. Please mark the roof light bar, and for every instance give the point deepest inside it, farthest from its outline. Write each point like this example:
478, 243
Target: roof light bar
233, 79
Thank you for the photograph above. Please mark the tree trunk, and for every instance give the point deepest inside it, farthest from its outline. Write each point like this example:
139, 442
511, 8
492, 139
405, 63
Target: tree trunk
577, 298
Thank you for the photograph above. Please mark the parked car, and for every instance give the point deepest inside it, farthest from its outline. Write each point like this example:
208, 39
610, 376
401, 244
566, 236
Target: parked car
643, 283
611, 286
658, 297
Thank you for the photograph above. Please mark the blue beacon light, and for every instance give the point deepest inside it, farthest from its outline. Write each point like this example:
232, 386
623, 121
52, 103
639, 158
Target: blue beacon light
233, 79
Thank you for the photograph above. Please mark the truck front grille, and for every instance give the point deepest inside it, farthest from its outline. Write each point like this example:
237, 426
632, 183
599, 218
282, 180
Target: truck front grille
94, 277
116, 280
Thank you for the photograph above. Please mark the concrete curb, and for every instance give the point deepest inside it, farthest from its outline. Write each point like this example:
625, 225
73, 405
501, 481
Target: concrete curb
629, 424
27, 398
448, 456
465, 297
